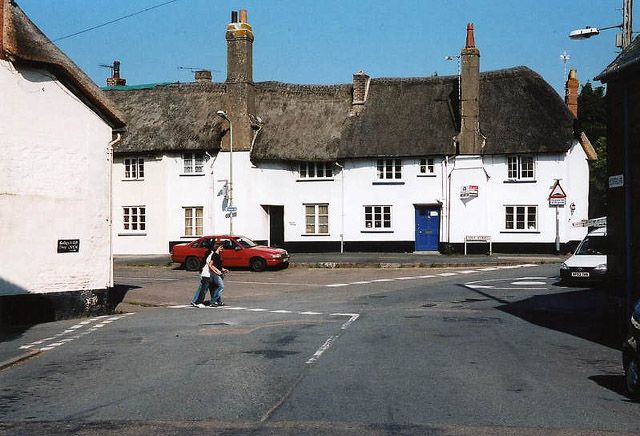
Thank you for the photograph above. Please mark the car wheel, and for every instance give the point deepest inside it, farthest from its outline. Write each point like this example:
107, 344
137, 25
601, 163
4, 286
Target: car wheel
192, 264
632, 378
258, 264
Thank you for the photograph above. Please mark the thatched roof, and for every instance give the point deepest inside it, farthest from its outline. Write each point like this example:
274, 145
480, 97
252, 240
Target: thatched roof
629, 57
519, 113
170, 117
23, 43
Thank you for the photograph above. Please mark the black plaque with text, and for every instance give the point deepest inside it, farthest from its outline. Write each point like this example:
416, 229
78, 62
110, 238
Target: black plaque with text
68, 245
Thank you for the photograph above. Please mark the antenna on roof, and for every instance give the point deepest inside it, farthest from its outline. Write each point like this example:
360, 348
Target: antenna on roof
194, 69
107, 66
564, 56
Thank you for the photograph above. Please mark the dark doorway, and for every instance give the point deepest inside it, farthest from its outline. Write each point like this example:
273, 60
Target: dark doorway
276, 225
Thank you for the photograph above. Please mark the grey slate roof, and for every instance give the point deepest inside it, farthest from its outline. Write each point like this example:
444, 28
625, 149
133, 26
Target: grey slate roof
23, 43
629, 57
519, 112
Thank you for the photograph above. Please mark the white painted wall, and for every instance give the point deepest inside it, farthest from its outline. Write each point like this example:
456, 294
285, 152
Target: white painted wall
54, 184
346, 193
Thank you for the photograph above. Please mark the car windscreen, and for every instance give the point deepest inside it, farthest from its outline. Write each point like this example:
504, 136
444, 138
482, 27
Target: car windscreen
593, 245
246, 242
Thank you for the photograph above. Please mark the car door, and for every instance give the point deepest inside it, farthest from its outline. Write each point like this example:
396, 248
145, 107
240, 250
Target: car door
232, 254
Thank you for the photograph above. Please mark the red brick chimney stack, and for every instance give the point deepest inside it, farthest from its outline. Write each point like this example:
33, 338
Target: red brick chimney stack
470, 140
239, 99
115, 79
3, 4
571, 92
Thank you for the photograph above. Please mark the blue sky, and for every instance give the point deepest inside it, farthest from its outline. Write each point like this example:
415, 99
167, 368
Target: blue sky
324, 42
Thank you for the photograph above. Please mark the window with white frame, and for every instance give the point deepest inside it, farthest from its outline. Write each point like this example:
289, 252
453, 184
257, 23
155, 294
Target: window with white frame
377, 217
193, 221
134, 168
316, 218
426, 166
520, 167
389, 168
316, 170
134, 219
193, 163
523, 218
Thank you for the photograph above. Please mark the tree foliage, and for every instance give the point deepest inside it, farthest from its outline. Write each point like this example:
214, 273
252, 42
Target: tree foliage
592, 113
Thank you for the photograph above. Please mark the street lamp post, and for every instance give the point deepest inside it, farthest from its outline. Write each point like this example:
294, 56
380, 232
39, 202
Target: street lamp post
223, 114
624, 38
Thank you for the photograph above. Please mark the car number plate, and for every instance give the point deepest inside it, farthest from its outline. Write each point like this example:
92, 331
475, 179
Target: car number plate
579, 274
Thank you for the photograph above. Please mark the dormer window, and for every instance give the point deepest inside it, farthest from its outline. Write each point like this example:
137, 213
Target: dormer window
316, 170
193, 163
521, 167
389, 169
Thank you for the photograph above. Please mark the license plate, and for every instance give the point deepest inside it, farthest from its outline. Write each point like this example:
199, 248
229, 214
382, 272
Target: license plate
579, 274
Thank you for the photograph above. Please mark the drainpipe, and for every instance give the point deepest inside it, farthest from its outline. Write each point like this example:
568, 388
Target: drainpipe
110, 204
341, 207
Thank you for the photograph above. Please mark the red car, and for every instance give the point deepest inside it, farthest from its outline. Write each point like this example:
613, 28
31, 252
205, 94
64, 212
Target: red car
239, 251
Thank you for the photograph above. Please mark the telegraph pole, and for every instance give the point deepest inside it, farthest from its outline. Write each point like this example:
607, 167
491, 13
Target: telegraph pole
627, 12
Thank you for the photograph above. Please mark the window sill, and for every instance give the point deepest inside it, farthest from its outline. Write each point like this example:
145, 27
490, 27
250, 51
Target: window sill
519, 181
521, 231
133, 180
388, 183
317, 179
133, 234
427, 175
192, 174
376, 231
316, 234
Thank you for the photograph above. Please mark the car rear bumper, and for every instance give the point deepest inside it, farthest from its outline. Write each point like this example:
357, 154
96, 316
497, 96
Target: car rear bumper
582, 275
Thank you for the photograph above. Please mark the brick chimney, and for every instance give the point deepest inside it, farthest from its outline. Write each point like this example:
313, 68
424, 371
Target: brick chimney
203, 76
239, 49
115, 79
239, 99
3, 14
470, 140
571, 92
360, 91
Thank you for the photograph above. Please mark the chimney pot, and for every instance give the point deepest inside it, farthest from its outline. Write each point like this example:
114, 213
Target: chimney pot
203, 76
234, 16
243, 16
470, 43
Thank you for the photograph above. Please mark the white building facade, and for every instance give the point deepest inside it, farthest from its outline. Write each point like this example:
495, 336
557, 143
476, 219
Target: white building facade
56, 136
417, 164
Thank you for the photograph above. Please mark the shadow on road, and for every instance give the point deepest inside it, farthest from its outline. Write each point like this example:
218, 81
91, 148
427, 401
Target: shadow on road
591, 314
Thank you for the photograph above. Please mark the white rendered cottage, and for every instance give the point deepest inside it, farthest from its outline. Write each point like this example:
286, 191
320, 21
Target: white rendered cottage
381, 164
55, 182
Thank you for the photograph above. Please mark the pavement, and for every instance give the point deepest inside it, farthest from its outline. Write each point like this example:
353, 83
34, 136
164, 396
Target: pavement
378, 260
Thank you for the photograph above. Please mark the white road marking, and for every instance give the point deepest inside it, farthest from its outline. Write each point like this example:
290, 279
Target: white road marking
337, 285
281, 311
447, 274
426, 277
480, 287
406, 278
382, 280
73, 329
310, 313
257, 310
327, 344
469, 271
270, 283
361, 283
491, 268
524, 283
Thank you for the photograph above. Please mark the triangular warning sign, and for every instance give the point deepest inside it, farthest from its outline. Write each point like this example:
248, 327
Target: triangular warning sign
557, 191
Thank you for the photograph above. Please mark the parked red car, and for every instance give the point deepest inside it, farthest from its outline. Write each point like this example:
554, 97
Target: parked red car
239, 251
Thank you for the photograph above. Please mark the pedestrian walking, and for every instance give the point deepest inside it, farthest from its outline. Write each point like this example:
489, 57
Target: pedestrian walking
205, 277
216, 282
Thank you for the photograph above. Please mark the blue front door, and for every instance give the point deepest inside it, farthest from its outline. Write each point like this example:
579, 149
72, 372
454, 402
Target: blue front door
427, 228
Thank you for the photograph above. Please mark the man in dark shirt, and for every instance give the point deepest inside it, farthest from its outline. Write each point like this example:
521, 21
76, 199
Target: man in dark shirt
216, 284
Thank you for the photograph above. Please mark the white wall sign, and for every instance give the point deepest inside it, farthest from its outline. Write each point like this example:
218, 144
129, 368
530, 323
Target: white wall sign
469, 191
616, 181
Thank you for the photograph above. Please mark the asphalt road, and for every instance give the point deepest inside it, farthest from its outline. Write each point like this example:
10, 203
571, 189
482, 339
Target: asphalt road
394, 351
